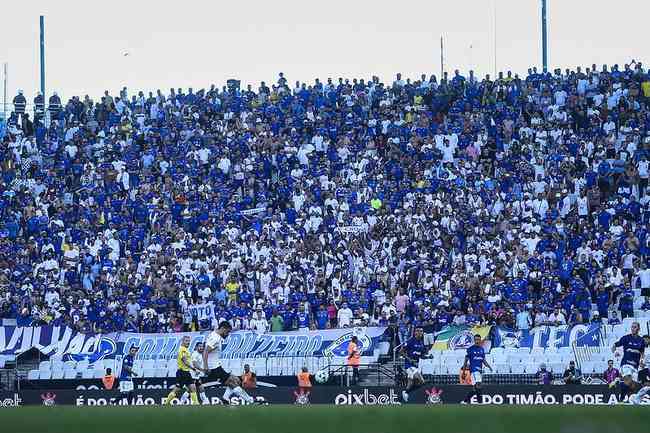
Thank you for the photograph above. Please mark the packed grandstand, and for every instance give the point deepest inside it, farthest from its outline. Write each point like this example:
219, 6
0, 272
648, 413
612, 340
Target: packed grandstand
505, 203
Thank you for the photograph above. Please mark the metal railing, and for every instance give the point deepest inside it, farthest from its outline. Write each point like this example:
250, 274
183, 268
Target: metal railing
9, 379
8, 108
343, 374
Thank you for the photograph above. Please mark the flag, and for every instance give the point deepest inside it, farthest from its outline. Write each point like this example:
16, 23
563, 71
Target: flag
461, 337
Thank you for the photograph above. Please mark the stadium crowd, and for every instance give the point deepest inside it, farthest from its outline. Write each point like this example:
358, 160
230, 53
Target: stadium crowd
507, 200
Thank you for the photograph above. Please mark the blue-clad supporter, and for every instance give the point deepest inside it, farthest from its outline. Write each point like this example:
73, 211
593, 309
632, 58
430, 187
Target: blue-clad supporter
428, 202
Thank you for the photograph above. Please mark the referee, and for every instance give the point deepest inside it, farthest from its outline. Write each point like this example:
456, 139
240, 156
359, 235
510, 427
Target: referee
183, 377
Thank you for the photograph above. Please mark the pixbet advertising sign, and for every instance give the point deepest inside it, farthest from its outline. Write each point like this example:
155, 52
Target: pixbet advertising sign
353, 396
367, 397
10, 400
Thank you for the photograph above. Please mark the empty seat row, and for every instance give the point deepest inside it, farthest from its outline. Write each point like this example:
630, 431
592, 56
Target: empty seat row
287, 366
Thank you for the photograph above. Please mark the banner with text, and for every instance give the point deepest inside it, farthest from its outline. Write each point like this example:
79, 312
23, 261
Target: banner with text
590, 335
73, 345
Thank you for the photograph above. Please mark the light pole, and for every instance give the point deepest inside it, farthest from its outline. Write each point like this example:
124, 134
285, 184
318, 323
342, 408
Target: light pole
42, 45
544, 39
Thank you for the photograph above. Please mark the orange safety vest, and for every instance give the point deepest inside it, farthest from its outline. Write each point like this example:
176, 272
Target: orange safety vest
303, 380
465, 377
248, 380
354, 359
108, 381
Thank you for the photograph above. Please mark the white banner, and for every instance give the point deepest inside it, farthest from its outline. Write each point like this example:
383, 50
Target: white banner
253, 211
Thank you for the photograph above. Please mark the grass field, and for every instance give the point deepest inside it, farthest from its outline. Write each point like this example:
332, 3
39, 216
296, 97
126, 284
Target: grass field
330, 419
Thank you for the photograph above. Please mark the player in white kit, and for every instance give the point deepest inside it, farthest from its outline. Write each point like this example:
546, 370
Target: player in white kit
212, 364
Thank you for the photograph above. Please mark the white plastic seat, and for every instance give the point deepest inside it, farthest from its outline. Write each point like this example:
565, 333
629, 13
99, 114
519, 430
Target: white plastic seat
57, 374
148, 364
588, 368
109, 363
161, 363
383, 347
557, 368
260, 366
68, 365
517, 368
70, 374
502, 368
426, 366
45, 374
57, 365
45, 366
87, 374
160, 372
531, 368
514, 359
33, 374
148, 372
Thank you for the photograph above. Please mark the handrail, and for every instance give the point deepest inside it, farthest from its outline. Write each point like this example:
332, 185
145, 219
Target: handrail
343, 371
399, 346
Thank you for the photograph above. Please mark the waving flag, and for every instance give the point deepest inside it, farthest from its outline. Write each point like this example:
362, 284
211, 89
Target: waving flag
461, 337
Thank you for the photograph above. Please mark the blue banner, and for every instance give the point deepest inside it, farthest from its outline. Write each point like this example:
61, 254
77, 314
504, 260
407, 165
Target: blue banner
549, 336
73, 345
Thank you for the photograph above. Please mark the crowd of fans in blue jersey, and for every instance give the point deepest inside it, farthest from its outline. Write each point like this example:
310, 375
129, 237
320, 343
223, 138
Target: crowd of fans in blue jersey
517, 200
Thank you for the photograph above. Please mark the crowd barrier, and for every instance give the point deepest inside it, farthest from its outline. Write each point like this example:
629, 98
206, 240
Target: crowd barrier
431, 394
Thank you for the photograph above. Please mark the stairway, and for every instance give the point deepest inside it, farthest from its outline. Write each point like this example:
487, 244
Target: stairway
378, 374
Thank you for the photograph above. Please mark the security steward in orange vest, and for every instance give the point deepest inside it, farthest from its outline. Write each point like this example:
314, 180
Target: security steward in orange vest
354, 358
304, 382
248, 378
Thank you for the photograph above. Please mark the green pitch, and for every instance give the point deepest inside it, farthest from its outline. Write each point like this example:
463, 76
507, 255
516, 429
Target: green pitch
326, 419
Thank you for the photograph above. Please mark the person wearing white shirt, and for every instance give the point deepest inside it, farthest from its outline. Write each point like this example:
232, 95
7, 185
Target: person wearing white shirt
643, 168
557, 317
213, 367
644, 280
344, 316
259, 323
583, 206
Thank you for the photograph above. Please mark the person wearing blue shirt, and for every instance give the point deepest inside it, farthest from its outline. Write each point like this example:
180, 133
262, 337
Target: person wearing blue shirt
127, 374
322, 317
633, 349
413, 351
475, 359
303, 318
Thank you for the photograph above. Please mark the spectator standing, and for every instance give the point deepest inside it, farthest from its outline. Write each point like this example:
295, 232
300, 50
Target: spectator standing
277, 322
524, 320
344, 316
259, 323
